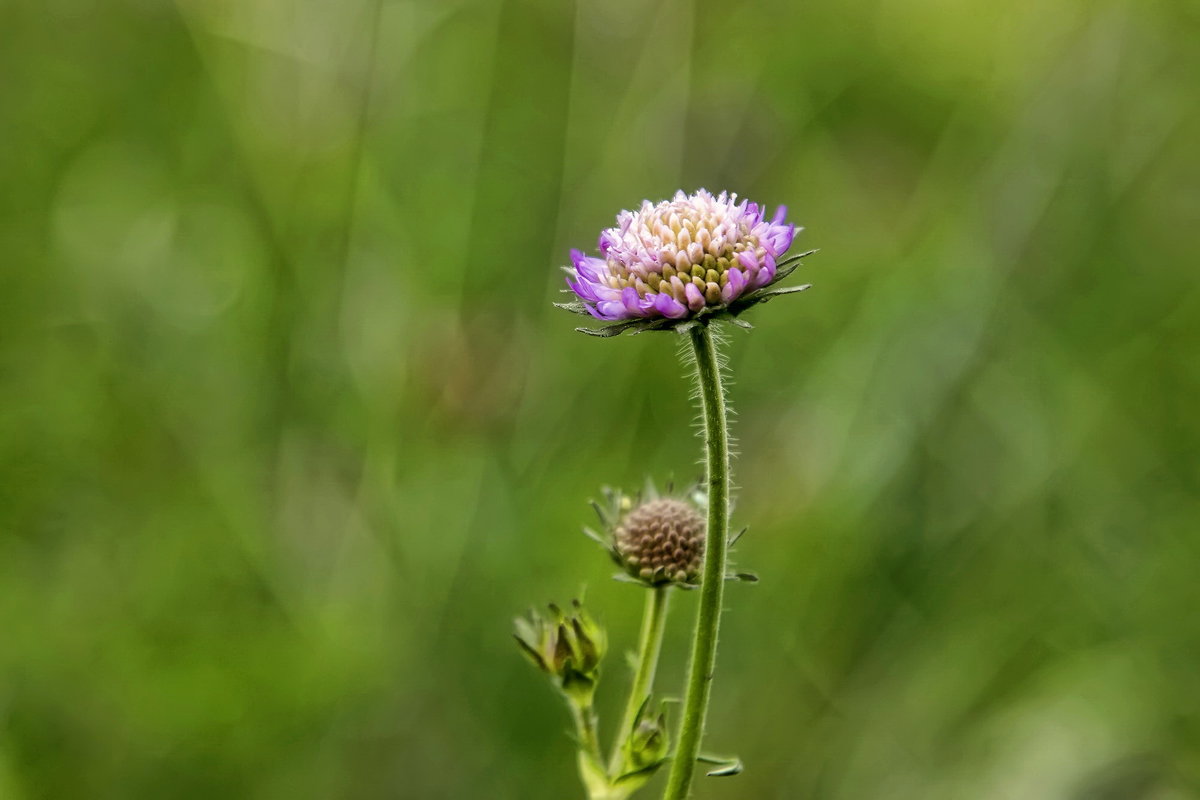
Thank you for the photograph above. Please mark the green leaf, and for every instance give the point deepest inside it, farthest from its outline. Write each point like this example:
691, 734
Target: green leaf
640, 776
725, 765
632, 325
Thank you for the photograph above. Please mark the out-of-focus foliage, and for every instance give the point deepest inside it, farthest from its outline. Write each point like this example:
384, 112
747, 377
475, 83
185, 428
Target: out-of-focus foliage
290, 430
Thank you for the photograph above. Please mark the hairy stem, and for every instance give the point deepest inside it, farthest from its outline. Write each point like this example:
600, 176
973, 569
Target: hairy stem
649, 646
712, 585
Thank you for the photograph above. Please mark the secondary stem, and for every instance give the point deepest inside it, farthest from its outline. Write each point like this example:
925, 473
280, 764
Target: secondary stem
585, 728
591, 769
712, 585
649, 645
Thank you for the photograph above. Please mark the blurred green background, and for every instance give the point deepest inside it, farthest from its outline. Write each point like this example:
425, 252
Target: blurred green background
290, 430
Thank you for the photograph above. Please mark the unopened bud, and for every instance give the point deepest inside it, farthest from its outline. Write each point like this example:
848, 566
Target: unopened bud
567, 647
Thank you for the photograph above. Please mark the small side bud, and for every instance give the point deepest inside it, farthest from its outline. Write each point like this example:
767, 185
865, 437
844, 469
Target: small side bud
648, 744
646, 748
566, 646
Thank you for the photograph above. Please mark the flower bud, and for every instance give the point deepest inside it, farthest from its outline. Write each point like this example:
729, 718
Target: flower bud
644, 750
567, 647
655, 539
648, 744
662, 541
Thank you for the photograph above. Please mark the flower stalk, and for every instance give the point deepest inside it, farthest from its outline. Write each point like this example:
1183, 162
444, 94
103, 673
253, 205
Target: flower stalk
591, 769
649, 646
712, 584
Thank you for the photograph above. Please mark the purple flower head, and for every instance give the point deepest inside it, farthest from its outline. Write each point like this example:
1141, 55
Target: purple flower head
682, 258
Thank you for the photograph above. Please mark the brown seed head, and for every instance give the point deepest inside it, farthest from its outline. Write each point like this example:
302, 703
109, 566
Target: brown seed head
662, 541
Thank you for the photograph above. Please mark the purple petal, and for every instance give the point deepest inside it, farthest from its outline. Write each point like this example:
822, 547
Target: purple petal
779, 239
633, 304
590, 269
611, 309
578, 260
668, 306
780, 213
767, 273
762, 277
735, 286
694, 298
748, 260
583, 290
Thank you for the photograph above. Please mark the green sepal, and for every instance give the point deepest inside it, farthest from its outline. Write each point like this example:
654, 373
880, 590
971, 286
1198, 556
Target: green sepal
530, 653
740, 305
789, 265
575, 307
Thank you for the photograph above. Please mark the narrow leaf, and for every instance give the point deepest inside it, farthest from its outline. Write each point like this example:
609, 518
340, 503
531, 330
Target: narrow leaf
725, 765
